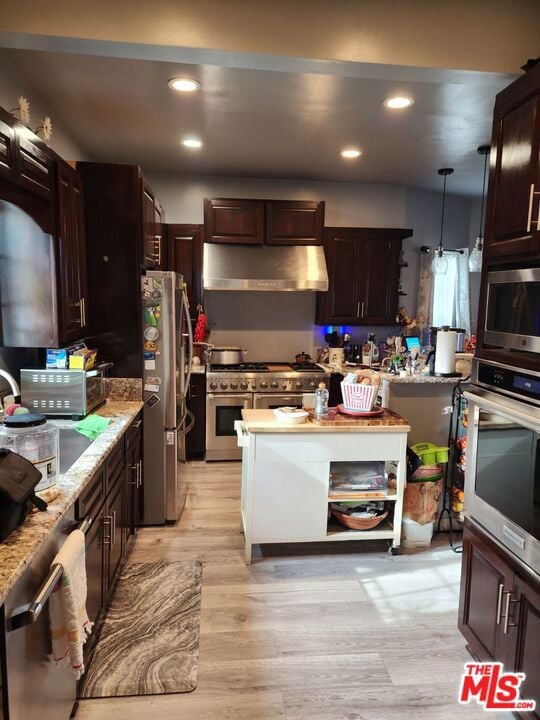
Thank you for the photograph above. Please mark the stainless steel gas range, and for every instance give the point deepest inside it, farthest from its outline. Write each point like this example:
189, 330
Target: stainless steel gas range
231, 388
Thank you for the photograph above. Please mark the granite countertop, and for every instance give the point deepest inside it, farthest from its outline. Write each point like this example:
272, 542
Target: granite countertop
17, 552
420, 379
389, 377
264, 421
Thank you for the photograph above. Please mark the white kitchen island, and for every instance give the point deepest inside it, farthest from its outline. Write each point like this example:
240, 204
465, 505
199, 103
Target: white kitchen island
286, 476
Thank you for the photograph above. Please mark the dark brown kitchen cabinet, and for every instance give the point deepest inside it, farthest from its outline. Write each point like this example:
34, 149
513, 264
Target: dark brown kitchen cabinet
7, 150
499, 610
113, 502
294, 222
25, 159
36, 163
257, 222
513, 205
94, 565
196, 403
234, 221
363, 276
73, 287
133, 480
185, 256
154, 256
119, 211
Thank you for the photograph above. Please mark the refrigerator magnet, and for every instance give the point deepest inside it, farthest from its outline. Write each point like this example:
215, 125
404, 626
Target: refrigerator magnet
151, 333
151, 346
150, 387
149, 364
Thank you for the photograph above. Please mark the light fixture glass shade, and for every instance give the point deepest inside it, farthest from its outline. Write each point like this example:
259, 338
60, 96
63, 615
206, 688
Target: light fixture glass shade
475, 257
439, 264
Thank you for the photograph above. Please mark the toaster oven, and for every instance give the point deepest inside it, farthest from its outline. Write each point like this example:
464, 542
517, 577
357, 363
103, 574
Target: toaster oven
64, 393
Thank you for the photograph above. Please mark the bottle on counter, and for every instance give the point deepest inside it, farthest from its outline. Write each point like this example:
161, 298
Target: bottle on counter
321, 400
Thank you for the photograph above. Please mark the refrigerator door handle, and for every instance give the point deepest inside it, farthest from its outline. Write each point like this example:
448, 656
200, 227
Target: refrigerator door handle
189, 334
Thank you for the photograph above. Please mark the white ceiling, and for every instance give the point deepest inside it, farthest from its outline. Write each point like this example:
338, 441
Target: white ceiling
262, 123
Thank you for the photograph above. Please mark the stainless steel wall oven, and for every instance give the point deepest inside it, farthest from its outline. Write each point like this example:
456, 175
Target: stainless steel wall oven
503, 457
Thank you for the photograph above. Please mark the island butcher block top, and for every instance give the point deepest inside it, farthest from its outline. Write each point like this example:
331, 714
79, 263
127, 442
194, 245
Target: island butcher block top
264, 421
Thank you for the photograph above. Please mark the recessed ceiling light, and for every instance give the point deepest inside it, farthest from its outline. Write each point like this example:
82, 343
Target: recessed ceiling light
351, 153
185, 85
192, 143
398, 102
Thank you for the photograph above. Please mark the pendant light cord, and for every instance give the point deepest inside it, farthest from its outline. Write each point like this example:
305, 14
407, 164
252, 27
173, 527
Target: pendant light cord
442, 217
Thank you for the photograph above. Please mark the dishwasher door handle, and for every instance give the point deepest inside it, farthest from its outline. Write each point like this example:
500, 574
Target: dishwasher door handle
27, 614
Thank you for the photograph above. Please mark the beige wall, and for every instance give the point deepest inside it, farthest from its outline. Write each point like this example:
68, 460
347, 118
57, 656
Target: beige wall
12, 85
487, 35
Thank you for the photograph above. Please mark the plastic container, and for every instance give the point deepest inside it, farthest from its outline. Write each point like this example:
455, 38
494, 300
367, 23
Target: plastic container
430, 454
415, 535
359, 397
38, 441
321, 400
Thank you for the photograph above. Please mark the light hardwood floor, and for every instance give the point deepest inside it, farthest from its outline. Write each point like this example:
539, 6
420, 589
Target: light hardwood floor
345, 632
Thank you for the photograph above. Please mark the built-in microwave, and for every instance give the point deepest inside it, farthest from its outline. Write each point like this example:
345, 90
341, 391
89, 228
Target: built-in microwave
513, 309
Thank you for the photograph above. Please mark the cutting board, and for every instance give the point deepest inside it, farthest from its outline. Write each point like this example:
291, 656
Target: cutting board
337, 420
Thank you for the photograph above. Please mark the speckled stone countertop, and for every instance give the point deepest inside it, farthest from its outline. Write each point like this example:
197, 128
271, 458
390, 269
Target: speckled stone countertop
411, 379
420, 379
17, 552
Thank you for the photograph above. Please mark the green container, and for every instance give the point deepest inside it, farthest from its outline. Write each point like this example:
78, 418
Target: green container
430, 454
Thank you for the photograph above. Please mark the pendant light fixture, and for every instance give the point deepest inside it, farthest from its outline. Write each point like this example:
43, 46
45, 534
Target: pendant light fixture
475, 258
439, 264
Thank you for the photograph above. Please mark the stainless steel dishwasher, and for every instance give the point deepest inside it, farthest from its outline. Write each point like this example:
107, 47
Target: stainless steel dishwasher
37, 688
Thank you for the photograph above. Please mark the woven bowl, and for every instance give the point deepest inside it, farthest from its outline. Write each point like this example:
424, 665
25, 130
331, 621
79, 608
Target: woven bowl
358, 523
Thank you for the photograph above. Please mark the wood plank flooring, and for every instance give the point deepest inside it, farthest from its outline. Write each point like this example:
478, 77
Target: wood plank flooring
319, 632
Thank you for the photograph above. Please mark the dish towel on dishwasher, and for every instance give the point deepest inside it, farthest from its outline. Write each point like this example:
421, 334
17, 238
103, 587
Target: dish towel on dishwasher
70, 625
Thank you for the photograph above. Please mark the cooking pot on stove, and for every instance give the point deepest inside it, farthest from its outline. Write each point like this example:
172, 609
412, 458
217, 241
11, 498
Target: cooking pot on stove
302, 358
226, 355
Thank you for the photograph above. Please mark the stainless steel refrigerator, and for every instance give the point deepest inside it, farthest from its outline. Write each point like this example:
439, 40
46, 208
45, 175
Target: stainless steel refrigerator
168, 352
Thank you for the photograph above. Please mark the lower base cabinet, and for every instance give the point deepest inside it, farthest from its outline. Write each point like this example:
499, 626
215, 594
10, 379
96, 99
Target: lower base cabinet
499, 611
196, 438
111, 500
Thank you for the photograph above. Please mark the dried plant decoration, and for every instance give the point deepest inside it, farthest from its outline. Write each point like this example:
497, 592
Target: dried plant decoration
45, 129
22, 110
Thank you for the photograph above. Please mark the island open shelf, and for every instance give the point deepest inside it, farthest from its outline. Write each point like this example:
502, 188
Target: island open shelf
287, 471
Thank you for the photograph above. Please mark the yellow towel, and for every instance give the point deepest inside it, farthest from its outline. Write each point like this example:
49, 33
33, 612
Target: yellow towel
70, 625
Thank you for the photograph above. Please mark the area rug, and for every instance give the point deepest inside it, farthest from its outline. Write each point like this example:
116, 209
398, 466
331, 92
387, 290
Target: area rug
149, 641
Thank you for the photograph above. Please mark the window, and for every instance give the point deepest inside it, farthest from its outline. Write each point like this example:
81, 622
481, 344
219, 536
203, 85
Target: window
450, 293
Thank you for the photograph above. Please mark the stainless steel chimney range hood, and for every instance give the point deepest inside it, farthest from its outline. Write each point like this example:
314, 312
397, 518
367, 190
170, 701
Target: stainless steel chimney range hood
264, 267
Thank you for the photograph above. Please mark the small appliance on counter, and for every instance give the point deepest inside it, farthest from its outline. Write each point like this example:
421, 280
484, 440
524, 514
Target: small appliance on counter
64, 393
36, 440
441, 360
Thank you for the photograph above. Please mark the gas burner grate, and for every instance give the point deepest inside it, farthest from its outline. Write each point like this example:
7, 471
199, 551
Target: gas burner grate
306, 367
240, 367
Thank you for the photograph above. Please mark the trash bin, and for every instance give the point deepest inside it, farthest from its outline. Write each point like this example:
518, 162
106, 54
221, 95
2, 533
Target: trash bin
421, 505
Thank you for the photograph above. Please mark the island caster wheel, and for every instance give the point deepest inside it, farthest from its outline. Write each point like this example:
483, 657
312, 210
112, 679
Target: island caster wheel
393, 550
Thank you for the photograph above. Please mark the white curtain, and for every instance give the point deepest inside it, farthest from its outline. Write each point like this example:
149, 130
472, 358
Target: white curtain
450, 293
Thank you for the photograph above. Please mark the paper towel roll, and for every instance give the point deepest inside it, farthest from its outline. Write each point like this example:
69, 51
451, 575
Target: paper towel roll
445, 351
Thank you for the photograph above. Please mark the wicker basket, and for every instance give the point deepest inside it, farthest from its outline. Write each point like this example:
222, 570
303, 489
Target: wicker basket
359, 397
358, 523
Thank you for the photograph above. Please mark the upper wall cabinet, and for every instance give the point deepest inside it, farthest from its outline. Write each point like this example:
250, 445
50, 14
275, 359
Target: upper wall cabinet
513, 208
72, 254
363, 276
294, 222
34, 179
255, 222
234, 221
185, 253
